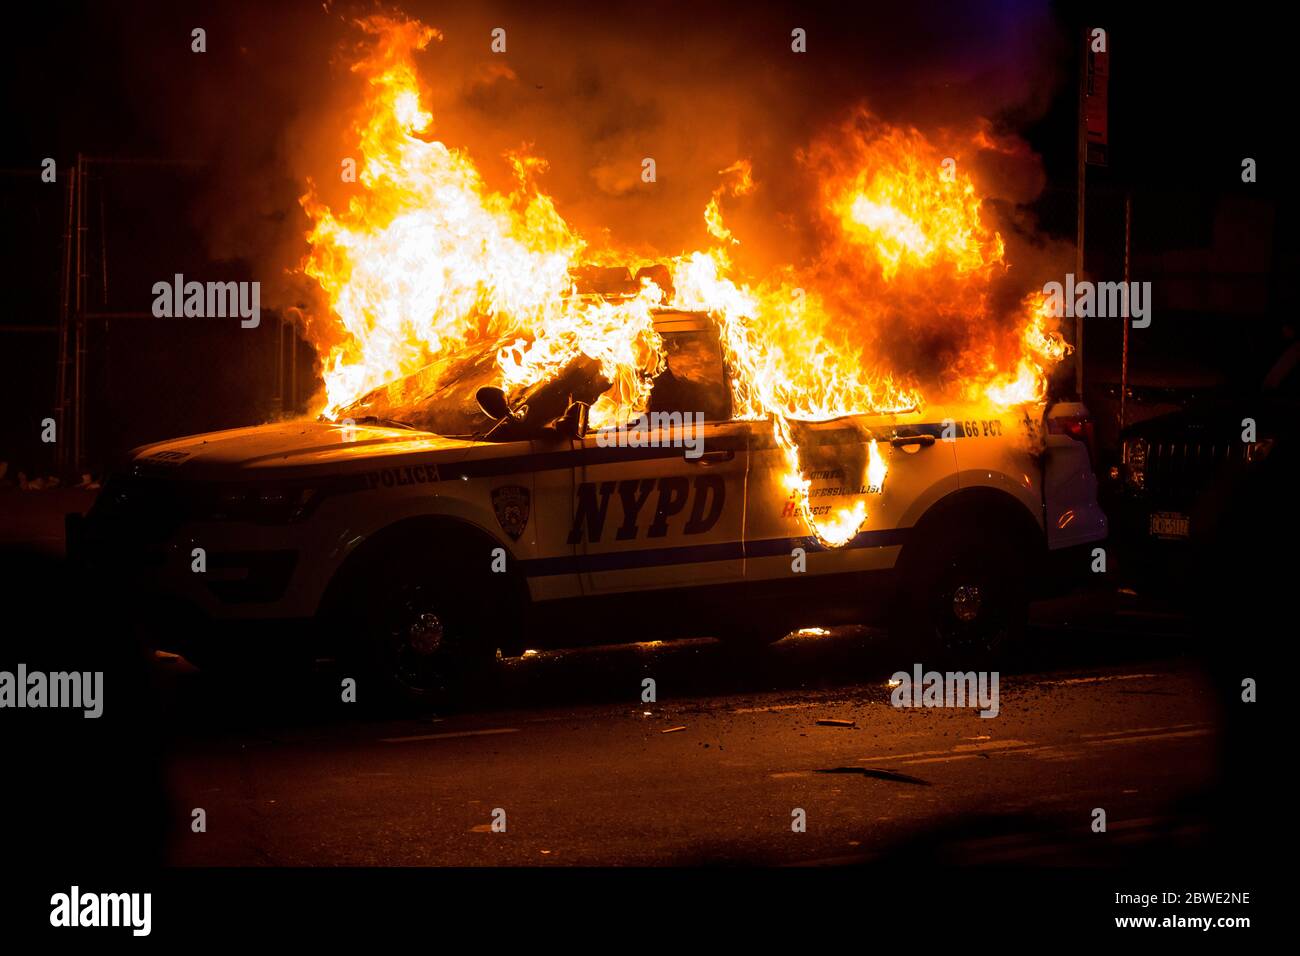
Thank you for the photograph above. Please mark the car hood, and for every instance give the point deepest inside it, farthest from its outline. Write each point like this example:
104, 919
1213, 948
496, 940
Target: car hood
289, 448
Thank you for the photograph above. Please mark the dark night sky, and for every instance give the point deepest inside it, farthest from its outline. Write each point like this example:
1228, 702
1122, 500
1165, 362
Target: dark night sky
595, 92
697, 84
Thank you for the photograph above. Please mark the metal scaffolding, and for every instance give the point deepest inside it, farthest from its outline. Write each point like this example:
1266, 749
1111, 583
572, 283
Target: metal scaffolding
76, 314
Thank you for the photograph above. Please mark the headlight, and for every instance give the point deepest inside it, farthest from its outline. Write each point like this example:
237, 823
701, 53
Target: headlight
1135, 462
269, 504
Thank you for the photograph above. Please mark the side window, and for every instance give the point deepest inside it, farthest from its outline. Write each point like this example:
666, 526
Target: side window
693, 379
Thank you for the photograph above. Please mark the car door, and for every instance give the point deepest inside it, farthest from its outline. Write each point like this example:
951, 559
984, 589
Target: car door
552, 574
834, 457
662, 505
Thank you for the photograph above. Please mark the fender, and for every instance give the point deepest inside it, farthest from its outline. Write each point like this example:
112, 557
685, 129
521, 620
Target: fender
422, 535
982, 503
997, 479
369, 513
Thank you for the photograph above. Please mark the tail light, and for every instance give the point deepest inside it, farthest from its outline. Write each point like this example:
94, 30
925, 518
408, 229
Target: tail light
1077, 425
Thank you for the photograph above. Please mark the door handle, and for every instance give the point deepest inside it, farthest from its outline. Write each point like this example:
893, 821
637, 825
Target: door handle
902, 441
713, 457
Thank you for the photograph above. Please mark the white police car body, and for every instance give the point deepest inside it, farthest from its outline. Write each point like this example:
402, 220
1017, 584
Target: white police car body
412, 549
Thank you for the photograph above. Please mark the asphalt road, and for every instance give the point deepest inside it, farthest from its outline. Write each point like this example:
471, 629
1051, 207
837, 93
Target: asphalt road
1117, 717
1112, 702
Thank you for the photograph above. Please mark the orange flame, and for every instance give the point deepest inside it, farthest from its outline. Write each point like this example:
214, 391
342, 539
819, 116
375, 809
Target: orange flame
742, 185
425, 259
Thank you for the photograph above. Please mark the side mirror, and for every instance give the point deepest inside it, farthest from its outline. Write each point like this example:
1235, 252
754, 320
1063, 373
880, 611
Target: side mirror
494, 403
573, 423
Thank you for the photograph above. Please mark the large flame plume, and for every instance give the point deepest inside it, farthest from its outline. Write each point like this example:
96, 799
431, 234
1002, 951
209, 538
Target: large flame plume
426, 259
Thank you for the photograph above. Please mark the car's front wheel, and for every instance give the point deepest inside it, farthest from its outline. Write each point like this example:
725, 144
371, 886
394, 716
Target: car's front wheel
416, 636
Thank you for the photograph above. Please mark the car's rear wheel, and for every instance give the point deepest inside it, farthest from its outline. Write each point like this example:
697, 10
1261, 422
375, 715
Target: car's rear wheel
965, 594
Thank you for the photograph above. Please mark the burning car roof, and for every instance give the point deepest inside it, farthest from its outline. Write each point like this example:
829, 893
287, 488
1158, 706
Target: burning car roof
440, 397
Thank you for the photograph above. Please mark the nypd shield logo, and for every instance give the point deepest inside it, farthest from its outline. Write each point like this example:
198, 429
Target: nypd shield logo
510, 502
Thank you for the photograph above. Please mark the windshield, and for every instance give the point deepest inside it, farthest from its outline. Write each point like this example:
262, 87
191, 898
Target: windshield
440, 397
693, 377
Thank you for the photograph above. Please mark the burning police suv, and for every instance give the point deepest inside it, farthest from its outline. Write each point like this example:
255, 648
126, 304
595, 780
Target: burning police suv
437, 521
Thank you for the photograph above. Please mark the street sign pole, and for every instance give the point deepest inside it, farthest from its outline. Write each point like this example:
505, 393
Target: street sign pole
1094, 145
1123, 361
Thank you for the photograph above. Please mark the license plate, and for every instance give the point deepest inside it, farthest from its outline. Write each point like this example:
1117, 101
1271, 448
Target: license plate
1169, 524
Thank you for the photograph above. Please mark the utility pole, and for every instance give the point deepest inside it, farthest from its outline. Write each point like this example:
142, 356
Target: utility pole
65, 320
1123, 361
80, 298
1081, 132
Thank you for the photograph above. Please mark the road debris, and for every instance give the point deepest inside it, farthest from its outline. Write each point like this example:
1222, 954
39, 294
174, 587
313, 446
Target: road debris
878, 774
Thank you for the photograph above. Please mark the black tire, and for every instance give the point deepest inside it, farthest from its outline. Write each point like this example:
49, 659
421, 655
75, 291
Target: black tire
965, 594
419, 634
